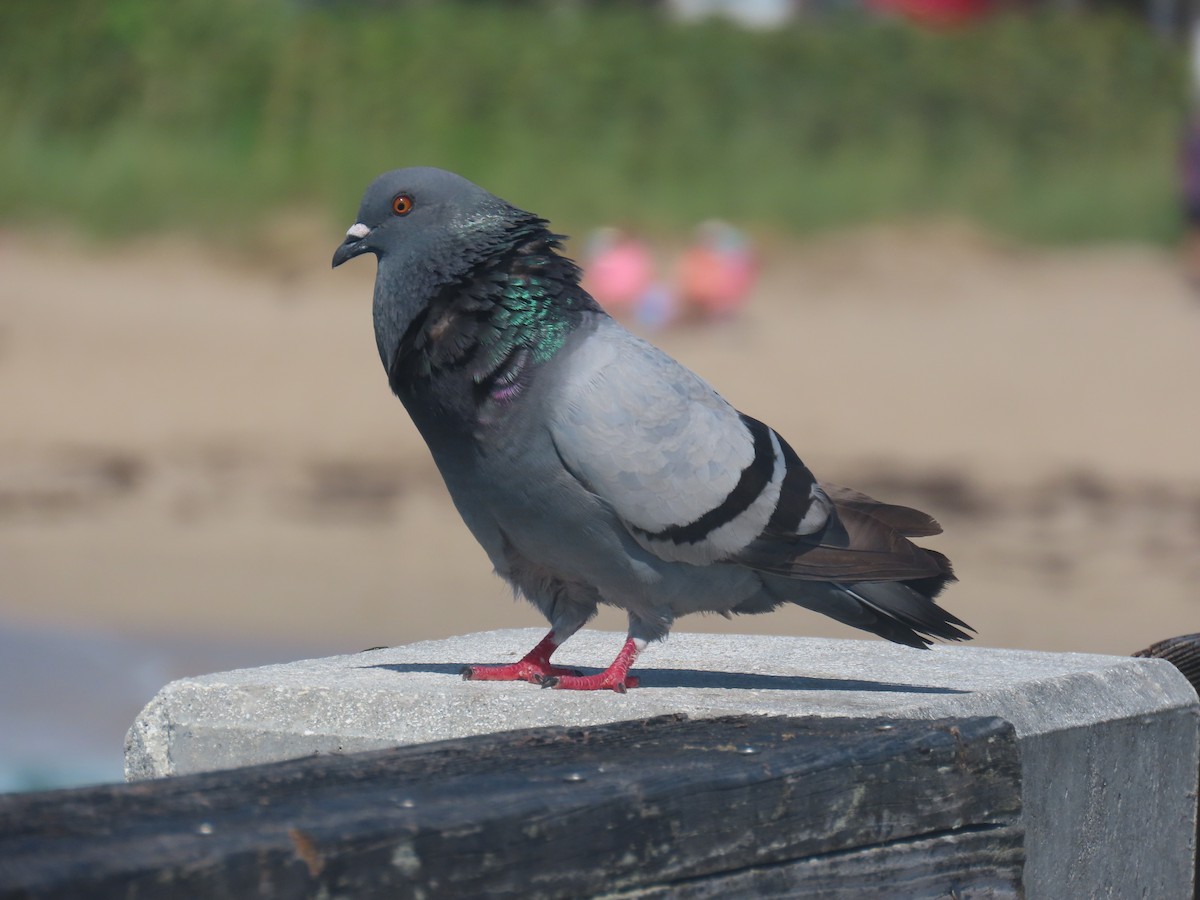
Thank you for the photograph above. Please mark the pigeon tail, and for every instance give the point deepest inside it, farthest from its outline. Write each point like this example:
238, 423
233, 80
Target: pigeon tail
904, 611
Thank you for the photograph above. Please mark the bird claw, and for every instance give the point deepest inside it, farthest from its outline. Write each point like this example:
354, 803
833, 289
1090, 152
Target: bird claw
524, 670
578, 682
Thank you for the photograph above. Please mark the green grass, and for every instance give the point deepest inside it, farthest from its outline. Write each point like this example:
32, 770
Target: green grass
210, 115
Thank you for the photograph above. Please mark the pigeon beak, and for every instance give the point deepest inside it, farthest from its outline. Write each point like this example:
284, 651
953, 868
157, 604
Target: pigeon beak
354, 244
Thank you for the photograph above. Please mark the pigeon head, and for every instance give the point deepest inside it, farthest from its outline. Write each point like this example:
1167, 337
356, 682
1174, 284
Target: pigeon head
427, 228
423, 215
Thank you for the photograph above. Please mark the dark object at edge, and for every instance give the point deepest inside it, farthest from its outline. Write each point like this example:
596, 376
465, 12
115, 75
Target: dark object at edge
1183, 652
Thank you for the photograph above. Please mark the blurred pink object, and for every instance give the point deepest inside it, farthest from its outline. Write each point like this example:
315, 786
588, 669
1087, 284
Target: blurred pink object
619, 270
717, 273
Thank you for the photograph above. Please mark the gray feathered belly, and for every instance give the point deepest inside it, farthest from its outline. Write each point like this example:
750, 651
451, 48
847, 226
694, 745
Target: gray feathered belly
534, 520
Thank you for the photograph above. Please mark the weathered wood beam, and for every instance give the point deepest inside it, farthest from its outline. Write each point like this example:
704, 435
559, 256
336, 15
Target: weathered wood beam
746, 806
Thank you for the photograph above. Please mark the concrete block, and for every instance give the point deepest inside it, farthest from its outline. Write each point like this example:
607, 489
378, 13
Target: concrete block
1110, 746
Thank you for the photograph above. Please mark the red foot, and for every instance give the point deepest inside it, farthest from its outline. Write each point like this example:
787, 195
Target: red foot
614, 678
525, 670
534, 666
603, 681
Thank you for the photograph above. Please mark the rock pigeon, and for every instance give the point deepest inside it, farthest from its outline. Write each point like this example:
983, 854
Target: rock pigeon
592, 467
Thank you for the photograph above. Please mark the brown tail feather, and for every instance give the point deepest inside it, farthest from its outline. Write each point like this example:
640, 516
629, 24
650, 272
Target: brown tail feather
904, 519
853, 546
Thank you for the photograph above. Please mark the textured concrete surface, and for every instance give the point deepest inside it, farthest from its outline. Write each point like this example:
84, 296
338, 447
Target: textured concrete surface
1110, 745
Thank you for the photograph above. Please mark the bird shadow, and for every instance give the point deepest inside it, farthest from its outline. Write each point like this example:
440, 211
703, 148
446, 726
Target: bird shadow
736, 681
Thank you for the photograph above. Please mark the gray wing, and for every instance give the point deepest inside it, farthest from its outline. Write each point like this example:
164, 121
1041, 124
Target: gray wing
690, 477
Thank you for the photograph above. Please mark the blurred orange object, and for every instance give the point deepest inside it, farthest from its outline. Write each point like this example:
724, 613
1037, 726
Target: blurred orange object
717, 272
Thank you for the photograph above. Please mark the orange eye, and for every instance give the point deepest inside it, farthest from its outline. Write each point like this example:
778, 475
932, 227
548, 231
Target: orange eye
402, 204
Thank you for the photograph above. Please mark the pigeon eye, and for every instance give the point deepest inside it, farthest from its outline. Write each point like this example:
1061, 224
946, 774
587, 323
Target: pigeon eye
402, 204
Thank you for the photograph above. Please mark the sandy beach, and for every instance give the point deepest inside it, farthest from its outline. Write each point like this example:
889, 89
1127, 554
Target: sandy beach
200, 442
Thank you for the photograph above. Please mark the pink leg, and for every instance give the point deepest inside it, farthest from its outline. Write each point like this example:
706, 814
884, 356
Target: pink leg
613, 678
534, 666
